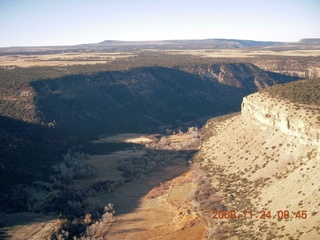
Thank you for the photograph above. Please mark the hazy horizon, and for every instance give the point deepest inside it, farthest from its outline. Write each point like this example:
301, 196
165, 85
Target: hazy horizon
161, 40
62, 23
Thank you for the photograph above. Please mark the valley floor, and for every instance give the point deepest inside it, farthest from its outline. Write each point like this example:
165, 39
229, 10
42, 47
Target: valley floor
31, 226
153, 206
163, 213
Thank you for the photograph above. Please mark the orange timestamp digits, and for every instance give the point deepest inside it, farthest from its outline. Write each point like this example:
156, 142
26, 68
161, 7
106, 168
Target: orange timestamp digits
264, 214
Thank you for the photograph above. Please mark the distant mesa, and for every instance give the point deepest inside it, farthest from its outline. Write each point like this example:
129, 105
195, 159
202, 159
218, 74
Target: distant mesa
193, 43
168, 44
310, 41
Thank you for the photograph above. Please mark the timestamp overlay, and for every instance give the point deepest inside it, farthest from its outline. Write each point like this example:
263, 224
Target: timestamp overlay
260, 215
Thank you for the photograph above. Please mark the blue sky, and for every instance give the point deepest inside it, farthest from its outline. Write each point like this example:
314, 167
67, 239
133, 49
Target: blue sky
67, 22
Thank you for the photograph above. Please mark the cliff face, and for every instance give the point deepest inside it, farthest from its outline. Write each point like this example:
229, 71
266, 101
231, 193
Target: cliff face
134, 100
291, 119
244, 76
265, 160
302, 68
130, 101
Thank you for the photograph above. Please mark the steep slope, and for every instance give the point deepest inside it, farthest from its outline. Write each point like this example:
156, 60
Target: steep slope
247, 77
136, 100
302, 67
41, 119
145, 98
27, 153
264, 168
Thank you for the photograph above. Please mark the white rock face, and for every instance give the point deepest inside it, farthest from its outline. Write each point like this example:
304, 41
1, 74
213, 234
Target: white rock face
291, 119
275, 140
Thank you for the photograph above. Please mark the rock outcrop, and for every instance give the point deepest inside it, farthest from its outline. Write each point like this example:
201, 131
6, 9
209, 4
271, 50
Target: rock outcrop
303, 68
291, 119
244, 76
264, 161
149, 97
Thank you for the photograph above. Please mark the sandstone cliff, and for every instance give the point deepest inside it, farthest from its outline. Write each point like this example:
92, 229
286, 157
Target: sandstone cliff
264, 161
291, 119
304, 68
244, 76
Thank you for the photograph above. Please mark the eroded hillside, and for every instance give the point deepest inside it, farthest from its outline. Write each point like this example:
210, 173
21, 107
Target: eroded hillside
305, 67
149, 97
42, 119
103, 102
261, 169
247, 77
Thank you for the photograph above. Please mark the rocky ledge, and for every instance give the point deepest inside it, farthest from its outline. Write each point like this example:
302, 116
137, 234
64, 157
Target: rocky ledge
298, 120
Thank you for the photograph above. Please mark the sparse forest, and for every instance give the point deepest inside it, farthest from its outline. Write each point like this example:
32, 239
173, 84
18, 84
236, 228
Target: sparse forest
303, 92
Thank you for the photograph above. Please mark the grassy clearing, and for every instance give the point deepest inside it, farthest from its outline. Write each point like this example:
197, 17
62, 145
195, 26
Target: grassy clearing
240, 53
62, 59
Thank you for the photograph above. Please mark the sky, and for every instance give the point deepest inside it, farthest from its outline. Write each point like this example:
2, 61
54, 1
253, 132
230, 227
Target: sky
69, 22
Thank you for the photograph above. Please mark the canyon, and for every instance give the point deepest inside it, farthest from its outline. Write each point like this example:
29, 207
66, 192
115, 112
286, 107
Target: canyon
260, 165
151, 144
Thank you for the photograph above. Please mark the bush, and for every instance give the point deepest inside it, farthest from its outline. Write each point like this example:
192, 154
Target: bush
304, 92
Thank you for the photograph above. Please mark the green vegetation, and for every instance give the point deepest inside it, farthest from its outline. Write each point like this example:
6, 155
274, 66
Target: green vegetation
27, 153
15, 80
303, 92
